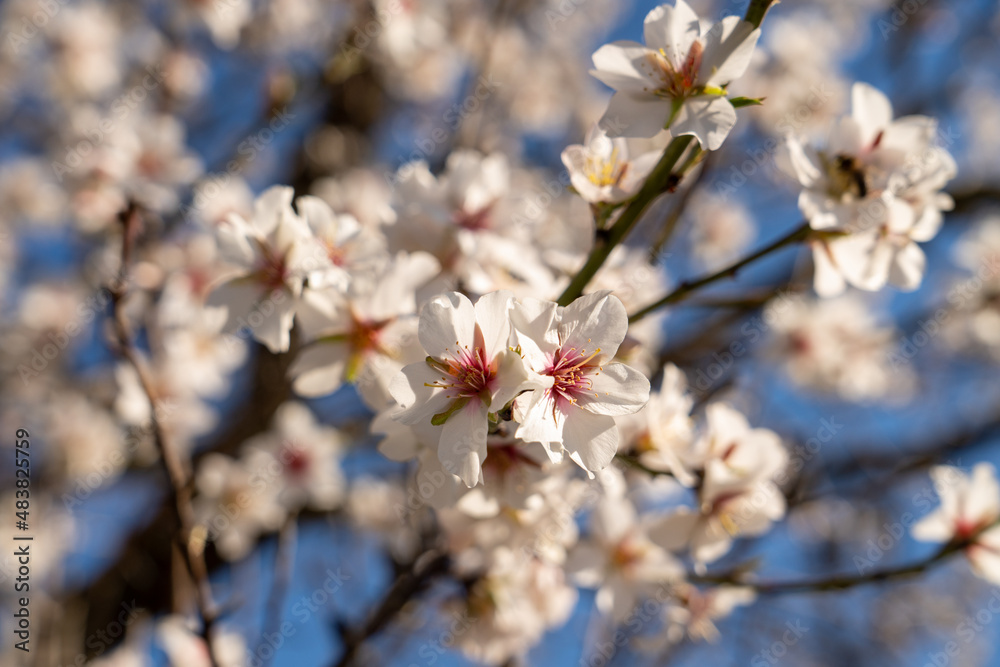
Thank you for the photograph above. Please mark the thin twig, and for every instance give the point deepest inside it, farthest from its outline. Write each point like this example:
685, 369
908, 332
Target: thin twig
688, 286
284, 564
407, 586
841, 582
191, 550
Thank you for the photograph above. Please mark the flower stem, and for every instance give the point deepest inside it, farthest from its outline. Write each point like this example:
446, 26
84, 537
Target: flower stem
687, 287
655, 184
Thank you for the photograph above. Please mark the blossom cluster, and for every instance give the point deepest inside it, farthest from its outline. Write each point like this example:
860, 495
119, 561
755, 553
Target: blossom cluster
517, 406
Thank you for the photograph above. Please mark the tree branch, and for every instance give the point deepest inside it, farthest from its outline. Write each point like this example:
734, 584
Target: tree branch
841, 582
655, 184
407, 586
687, 287
191, 548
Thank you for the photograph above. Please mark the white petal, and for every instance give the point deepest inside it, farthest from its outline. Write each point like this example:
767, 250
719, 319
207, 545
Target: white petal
319, 370
709, 118
672, 29
637, 172
985, 559
935, 527
907, 268
447, 323
587, 563
463, 442
591, 440
871, 109
274, 331
493, 317
635, 115
238, 297
539, 420
800, 161
711, 542
983, 500
416, 400
620, 390
673, 531
512, 378
729, 47
271, 207
594, 321
533, 321
828, 281
625, 66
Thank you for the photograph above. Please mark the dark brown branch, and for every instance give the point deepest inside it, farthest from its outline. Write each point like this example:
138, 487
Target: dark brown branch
407, 586
191, 548
842, 582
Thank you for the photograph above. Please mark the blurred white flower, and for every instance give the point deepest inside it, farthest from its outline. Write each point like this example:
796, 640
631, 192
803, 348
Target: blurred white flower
662, 433
837, 345
871, 194
237, 501
737, 497
601, 169
302, 458
272, 253
365, 334
970, 510
619, 559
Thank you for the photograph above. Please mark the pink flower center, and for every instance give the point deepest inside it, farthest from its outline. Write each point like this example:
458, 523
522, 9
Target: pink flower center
474, 221
296, 460
271, 268
570, 370
466, 374
679, 82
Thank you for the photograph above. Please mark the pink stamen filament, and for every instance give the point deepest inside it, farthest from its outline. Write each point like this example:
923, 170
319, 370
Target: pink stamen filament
467, 373
571, 371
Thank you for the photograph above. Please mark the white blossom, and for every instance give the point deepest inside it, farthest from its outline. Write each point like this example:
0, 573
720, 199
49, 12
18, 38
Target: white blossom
678, 79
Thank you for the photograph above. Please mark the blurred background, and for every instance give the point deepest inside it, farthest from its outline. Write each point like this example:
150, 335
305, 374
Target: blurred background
192, 107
